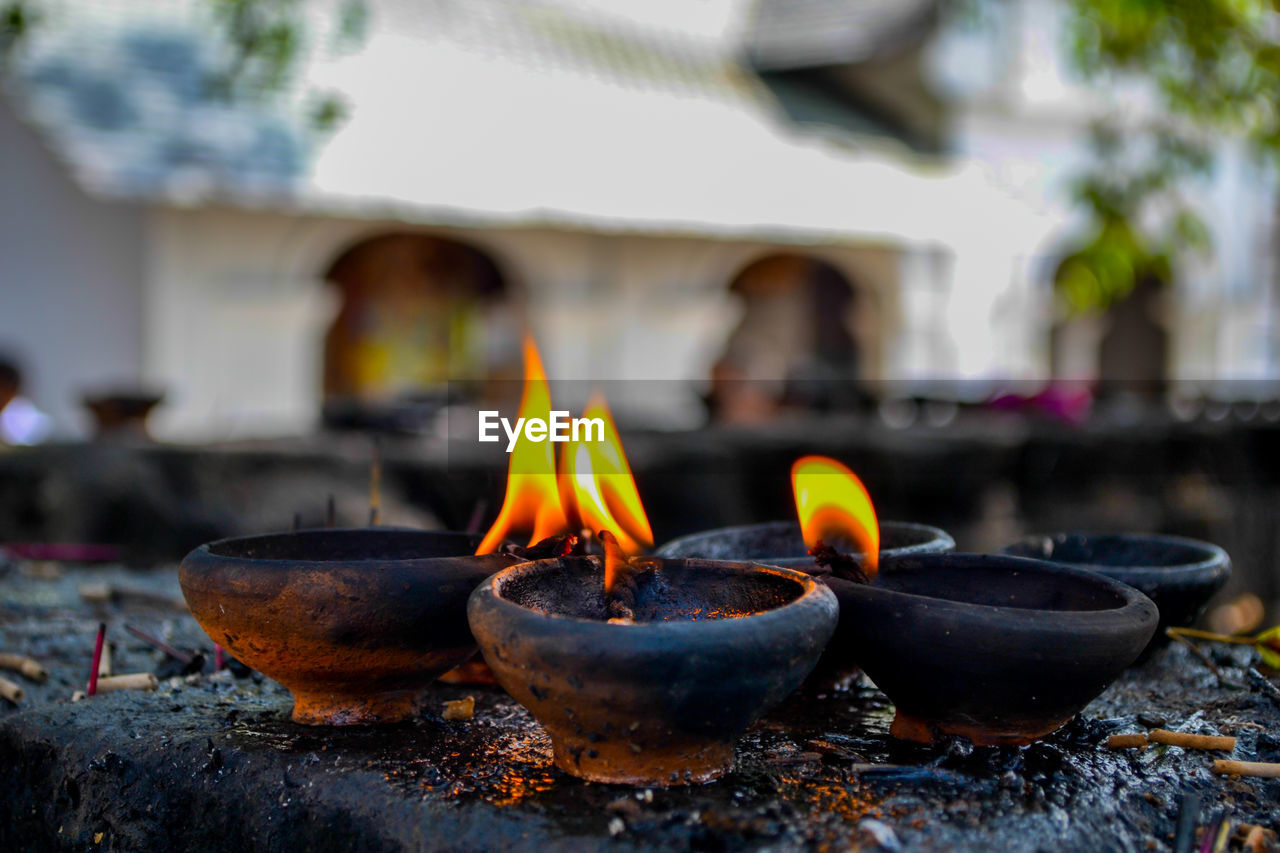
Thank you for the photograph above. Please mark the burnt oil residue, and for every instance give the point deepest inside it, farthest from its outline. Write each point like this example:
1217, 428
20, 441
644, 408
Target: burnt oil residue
212, 763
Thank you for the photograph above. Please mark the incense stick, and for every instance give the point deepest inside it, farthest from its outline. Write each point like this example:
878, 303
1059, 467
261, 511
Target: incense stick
11, 691
132, 681
25, 666
1190, 741
1261, 769
375, 483
97, 658
156, 642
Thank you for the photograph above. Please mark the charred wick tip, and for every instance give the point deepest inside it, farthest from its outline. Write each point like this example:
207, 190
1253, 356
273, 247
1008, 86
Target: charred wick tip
840, 565
563, 545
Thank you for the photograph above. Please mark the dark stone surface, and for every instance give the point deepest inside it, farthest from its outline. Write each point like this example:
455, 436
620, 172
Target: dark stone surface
213, 764
986, 478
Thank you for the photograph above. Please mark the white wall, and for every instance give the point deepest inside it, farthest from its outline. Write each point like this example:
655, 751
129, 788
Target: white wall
71, 270
237, 310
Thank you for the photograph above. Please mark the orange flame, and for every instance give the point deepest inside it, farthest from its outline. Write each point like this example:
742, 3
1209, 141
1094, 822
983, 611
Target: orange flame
597, 485
532, 502
615, 562
832, 504
593, 487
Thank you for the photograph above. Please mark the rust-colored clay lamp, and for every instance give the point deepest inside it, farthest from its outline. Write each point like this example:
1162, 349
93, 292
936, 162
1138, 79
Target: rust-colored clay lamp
659, 695
355, 622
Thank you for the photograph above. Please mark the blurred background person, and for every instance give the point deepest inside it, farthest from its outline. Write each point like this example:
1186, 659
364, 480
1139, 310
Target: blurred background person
21, 423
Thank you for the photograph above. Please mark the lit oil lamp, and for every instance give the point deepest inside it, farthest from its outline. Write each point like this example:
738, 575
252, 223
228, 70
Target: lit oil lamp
829, 499
356, 622
835, 514
997, 649
643, 671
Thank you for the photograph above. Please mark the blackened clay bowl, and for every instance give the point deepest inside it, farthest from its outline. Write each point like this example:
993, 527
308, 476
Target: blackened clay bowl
661, 701
1000, 650
1179, 575
779, 543
354, 622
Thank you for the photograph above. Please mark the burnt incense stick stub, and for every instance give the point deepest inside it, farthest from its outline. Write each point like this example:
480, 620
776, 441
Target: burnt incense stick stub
28, 668
11, 690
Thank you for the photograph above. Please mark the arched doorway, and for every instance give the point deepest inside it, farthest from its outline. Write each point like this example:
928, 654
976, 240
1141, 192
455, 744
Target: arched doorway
1122, 346
418, 312
794, 344
1133, 355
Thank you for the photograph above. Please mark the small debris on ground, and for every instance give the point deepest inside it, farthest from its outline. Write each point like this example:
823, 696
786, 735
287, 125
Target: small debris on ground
460, 709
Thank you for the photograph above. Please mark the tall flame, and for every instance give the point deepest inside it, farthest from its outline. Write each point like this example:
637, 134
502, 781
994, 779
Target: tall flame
597, 485
832, 504
593, 487
532, 502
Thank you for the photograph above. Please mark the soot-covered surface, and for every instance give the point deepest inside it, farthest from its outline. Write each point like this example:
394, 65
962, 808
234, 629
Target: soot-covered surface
211, 763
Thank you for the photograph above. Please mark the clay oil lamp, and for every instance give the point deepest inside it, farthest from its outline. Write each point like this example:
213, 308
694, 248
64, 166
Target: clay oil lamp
354, 622
123, 412
835, 515
1000, 650
997, 649
1179, 575
833, 505
644, 671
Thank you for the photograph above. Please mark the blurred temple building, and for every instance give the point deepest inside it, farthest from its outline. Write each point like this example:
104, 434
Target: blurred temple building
707, 191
